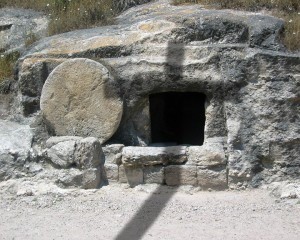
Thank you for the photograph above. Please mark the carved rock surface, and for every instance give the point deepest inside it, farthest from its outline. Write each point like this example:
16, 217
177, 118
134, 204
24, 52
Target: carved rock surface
80, 99
235, 58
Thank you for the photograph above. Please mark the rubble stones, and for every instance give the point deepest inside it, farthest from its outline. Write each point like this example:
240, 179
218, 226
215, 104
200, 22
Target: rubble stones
82, 159
68, 151
88, 153
113, 153
132, 176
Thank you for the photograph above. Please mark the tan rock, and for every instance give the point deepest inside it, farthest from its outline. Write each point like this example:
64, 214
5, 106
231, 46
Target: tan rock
79, 98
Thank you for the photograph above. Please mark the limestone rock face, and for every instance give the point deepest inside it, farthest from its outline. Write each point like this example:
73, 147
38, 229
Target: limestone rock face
80, 98
235, 58
18, 26
15, 146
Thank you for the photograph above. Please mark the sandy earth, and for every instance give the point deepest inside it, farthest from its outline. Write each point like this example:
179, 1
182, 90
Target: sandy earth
148, 212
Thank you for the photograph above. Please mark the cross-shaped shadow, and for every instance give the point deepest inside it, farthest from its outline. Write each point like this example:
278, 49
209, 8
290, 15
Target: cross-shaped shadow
147, 214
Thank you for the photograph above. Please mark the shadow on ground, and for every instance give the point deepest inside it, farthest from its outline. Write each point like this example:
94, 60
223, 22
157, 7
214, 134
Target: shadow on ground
145, 217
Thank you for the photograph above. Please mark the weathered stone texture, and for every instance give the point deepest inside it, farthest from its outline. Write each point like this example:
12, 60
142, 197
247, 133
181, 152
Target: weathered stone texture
62, 153
33, 74
181, 175
145, 156
113, 153
18, 26
15, 146
80, 98
154, 174
66, 152
122, 175
213, 179
89, 153
208, 155
131, 175
235, 58
112, 172
87, 179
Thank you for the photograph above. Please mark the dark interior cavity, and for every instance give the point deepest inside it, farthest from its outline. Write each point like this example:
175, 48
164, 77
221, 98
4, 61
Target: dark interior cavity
177, 118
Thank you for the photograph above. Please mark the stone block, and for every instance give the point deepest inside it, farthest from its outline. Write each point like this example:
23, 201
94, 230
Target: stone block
87, 179
113, 153
91, 178
149, 156
62, 153
205, 156
214, 179
154, 174
131, 175
112, 172
88, 153
67, 151
181, 175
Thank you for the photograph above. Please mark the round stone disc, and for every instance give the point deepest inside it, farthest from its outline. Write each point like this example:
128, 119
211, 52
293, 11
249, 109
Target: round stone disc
80, 98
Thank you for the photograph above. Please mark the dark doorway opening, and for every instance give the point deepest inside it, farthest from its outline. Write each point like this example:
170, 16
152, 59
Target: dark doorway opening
177, 118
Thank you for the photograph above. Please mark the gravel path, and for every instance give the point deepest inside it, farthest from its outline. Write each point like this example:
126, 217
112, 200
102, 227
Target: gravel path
148, 212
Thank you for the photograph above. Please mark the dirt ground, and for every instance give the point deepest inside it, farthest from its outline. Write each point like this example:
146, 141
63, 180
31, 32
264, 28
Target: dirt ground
147, 212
